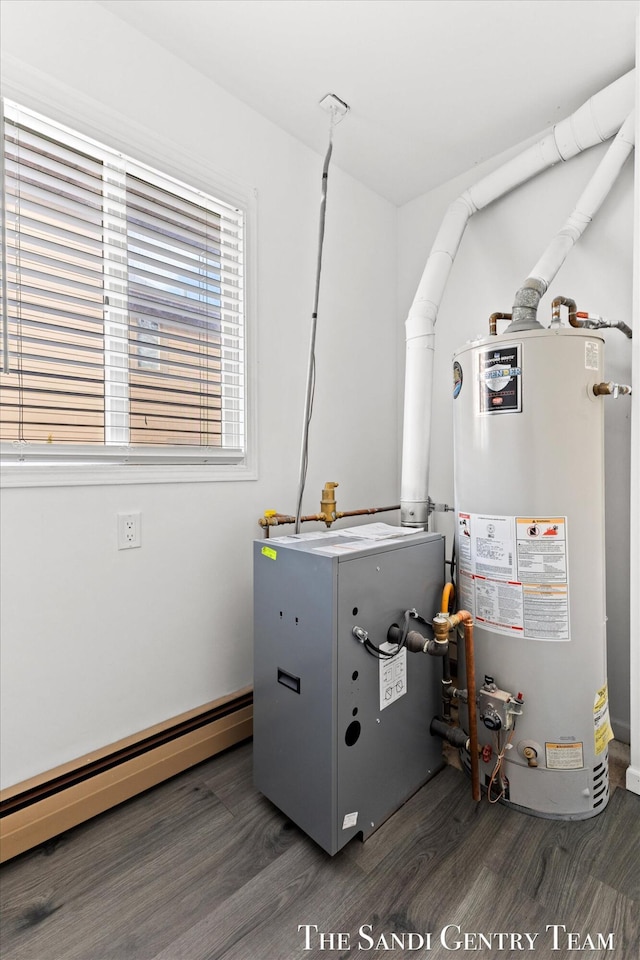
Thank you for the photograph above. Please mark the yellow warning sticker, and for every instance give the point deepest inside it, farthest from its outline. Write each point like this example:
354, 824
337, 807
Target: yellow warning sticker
269, 552
564, 756
602, 723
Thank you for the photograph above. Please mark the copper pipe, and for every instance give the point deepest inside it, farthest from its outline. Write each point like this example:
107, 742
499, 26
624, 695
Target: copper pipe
470, 664
611, 389
362, 513
580, 318
493, 322
442, 624
573, 310
278, 519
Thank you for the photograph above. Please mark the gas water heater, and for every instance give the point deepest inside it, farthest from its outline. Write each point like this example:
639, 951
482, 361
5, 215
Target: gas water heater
529, 494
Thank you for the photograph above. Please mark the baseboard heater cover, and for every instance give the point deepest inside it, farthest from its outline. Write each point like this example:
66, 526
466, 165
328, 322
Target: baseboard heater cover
38, 810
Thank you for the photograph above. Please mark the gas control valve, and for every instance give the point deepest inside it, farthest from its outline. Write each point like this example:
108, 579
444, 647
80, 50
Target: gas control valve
498, 708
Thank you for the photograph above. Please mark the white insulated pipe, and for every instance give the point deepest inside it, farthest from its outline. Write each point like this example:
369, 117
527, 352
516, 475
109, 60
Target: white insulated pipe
587, 206
594, 122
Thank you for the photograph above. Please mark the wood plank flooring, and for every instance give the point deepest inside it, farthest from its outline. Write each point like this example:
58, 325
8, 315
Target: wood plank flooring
204, 868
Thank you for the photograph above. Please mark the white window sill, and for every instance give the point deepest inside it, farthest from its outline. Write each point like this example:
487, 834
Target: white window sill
102, 474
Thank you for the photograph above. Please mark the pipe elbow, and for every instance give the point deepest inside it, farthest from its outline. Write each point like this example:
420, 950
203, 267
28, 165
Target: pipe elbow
444, 623
415, 642
462, 616
437, 648
466, 203
597, 119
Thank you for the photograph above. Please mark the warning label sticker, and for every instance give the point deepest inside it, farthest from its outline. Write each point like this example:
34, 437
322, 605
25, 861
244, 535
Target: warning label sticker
542, 550
499, 603
564, 756
493, 547
393, 676
601, 720
513, 574
542, 568
591, 355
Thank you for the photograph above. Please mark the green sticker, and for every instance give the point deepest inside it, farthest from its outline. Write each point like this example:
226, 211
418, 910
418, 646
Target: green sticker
269, 552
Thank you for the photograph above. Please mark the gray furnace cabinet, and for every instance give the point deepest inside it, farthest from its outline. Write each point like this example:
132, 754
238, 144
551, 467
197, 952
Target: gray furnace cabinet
341, 739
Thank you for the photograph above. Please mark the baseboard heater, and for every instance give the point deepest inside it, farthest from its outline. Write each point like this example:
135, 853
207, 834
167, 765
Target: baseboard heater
39, 809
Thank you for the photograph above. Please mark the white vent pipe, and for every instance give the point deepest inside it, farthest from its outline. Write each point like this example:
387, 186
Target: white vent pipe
536, 285
594, 122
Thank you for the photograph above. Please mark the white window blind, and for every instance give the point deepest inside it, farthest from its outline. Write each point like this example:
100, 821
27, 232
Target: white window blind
123, 306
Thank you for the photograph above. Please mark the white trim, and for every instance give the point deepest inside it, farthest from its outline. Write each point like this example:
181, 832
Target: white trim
104, 474
633, 779
633, 771
70, 107
67, 106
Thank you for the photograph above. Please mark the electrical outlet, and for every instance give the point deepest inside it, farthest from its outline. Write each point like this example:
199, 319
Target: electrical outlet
129, 531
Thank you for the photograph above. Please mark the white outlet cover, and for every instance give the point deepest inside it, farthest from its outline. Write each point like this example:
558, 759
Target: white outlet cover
129, 531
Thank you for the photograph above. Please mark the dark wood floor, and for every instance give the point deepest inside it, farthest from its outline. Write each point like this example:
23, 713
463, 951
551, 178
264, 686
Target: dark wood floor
203, 867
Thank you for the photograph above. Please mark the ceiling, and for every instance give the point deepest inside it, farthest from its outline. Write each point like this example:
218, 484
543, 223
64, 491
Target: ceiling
434, 86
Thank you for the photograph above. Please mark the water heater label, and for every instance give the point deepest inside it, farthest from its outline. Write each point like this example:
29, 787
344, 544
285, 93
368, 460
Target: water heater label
543, 570
564, 756
393, 676
500, 379
513, 574
591, 355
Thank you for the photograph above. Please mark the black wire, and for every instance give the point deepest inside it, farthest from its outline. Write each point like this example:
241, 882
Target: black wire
384, 654
377, 652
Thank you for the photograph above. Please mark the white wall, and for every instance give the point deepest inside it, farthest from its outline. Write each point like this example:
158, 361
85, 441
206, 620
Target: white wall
99, 643
633, 771
500, 246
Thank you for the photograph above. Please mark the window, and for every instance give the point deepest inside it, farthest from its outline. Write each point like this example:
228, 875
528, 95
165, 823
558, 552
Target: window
123, 314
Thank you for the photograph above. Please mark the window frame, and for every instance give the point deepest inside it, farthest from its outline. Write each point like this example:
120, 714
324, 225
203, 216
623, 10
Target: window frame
112, 464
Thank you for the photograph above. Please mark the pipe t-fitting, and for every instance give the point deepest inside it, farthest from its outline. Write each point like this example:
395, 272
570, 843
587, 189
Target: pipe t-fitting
442, 626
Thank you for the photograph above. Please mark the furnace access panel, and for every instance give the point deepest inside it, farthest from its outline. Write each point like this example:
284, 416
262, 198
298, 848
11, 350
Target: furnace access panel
341, 739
